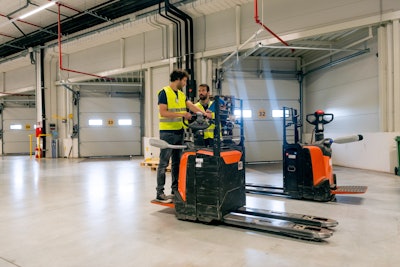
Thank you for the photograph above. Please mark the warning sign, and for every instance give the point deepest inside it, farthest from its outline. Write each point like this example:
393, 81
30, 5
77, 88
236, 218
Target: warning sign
110, 122
27, 126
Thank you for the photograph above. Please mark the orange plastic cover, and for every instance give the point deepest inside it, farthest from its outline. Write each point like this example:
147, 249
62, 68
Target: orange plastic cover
229, 157
321, 165
182, 174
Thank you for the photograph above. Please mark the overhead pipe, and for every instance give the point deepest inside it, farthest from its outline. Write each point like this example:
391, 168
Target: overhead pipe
370, 36
85, 11
257, 20
189, 37
60, 50
178, 33
15, 11
338, 61
43, 99
189, 46
26, 22
176, 12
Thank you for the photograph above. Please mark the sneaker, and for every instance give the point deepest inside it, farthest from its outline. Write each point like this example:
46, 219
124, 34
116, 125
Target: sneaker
171, 196
163, 198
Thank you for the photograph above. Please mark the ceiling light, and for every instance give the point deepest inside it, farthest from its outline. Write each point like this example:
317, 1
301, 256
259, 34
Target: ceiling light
30, 13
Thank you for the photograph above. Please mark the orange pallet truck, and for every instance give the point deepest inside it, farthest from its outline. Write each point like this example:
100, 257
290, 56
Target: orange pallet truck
211, 188
307, 168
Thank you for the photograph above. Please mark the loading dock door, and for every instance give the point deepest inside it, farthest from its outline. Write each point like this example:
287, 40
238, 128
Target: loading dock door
18, 124
263, 132
118, 134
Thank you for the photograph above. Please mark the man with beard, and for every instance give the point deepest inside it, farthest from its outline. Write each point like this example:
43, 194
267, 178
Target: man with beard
172, 105
204, 104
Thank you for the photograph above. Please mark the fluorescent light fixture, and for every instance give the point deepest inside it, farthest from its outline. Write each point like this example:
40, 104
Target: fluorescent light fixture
30, 13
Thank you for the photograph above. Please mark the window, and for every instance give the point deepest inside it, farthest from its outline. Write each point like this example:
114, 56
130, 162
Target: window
246, 113
15, 126
95, 122
278, 113
124, 122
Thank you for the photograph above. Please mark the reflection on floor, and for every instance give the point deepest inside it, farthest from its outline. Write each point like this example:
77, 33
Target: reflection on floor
74, 212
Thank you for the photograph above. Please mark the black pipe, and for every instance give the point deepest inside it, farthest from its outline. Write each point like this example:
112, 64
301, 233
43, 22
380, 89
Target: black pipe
172, 10
178, 34
189, 47
43, 99
190, 35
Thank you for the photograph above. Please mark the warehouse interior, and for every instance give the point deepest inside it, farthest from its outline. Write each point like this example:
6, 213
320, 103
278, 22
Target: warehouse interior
78, 102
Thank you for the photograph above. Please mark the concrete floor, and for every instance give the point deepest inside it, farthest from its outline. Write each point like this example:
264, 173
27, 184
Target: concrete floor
87, 212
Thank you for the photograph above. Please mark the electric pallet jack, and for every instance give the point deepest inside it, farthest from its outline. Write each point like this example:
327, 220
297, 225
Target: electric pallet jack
211, 186
307, 168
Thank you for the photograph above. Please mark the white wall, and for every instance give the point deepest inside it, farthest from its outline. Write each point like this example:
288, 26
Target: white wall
349, 91
378, 151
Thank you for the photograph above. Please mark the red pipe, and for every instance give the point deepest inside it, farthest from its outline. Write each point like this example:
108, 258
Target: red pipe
5, 35
60, 52
265, 27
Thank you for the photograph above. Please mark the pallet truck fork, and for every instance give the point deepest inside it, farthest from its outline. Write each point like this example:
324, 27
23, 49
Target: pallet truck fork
211, 188
307, 168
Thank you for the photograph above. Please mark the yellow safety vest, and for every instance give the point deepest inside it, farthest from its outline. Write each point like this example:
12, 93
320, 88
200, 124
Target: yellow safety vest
174, 104
209, 132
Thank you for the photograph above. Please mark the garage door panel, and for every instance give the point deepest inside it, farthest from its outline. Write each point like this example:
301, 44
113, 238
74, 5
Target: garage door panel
263, 130
263, 151
108, 116
102, 104
105, 134
12, 147
18, 136
263, 88
16, 141
110, 138
94, 149
267, 105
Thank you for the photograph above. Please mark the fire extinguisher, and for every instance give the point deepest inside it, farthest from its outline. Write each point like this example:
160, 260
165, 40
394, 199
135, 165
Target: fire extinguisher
38, 151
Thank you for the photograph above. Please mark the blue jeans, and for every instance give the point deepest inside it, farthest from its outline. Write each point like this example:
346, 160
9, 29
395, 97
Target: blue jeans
167, 154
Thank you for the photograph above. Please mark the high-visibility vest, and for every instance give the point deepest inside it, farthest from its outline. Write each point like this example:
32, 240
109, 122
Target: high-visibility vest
175, 103
209, 132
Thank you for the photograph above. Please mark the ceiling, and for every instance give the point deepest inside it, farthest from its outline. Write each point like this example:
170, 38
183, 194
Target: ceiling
79, 17
19, 34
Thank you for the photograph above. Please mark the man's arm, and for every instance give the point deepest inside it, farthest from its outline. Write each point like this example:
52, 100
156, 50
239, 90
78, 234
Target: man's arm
196, 109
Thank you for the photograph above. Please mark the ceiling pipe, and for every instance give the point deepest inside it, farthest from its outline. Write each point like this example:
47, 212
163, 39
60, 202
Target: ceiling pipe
370, 36
178, 33
189, 47
15, 11
169, 8
85, 11
28, 23
60, 50
189, 37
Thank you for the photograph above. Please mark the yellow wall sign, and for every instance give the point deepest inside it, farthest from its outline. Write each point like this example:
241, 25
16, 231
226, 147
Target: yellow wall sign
27, 126
262, 114
110, 122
